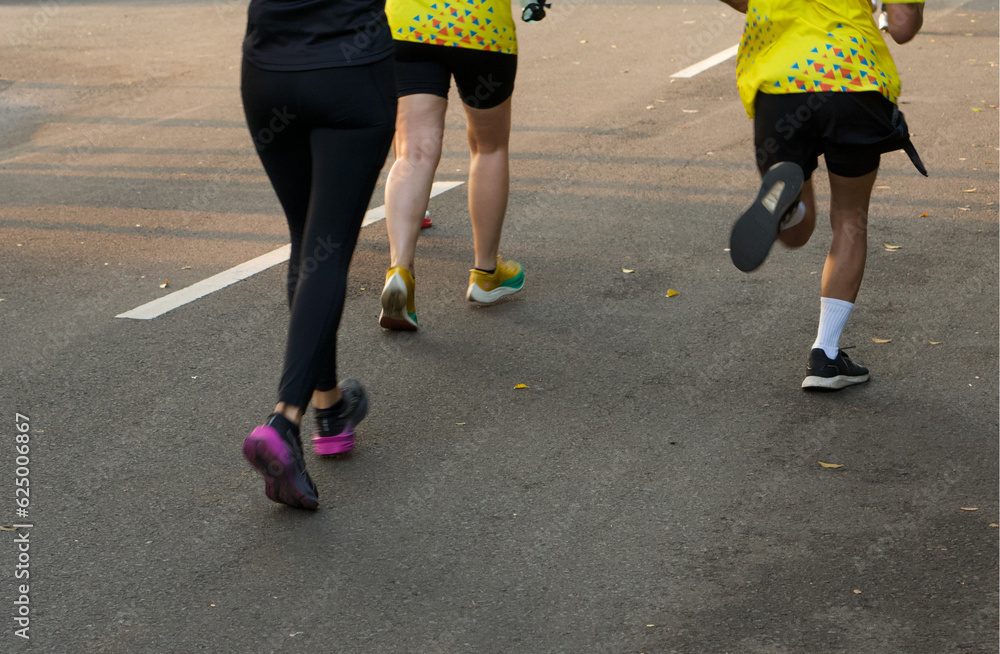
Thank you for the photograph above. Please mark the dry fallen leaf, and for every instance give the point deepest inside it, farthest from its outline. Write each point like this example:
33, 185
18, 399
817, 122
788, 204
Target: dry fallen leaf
649, 106
8, 528
522, 386
831, 465
970, 508
881, 340
671, 292
184, 268
924, 215
165, 283
993, 524
935, 342
891, 247
857, 592
627, 270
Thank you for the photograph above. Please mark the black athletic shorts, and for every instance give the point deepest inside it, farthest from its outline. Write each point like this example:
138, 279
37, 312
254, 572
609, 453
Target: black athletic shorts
484, 79
851, 130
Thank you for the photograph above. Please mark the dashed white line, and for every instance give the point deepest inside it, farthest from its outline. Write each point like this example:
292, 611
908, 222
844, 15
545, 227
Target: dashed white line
169, 302
704, 65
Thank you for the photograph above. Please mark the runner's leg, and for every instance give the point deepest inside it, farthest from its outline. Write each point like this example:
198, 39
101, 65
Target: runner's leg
417, 144
488, 132
845, 264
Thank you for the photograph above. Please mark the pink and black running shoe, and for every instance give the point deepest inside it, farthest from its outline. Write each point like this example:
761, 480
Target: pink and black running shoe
275, 451
335, 426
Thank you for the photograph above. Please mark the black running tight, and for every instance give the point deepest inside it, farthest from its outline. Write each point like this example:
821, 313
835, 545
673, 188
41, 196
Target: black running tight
323, 136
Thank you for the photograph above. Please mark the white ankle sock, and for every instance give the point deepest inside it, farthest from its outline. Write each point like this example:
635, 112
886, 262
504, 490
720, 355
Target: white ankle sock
833, 315
795, 218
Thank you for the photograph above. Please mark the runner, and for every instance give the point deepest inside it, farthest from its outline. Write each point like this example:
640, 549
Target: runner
817, 78
319, 97
474, 42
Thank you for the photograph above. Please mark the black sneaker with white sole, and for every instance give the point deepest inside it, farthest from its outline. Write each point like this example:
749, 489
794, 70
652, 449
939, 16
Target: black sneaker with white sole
754, 232
824, 373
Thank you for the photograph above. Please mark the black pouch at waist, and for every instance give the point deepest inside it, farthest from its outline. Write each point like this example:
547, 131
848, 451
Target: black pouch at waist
902, 138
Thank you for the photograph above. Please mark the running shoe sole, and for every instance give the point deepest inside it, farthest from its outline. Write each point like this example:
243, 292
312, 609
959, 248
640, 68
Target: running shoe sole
812, 382
476, 294
343, 442
754, 233
272, 457
394, 314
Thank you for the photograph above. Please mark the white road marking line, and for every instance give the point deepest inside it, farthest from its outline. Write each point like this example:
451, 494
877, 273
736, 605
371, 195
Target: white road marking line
162, 305
702, 66
378, 213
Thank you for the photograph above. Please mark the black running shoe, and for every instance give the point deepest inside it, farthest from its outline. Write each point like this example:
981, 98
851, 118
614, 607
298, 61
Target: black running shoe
755, 231
824, 373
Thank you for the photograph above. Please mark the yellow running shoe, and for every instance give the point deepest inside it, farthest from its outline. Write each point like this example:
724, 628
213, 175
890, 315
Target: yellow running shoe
506, 279
398, 309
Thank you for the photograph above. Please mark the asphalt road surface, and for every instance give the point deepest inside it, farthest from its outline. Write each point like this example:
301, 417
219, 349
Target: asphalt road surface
656, 488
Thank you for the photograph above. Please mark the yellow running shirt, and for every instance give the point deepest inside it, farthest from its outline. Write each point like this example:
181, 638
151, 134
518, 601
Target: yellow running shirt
476, 24
800, 46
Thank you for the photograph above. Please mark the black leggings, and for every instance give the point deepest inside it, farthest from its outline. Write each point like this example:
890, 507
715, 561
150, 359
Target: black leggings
323, 136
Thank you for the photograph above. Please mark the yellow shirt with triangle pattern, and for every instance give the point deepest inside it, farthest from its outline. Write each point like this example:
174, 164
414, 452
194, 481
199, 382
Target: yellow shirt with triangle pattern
803, 46
476, 24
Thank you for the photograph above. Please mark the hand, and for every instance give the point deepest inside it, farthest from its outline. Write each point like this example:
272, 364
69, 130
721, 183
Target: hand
533, 11
738, 5
904, 20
